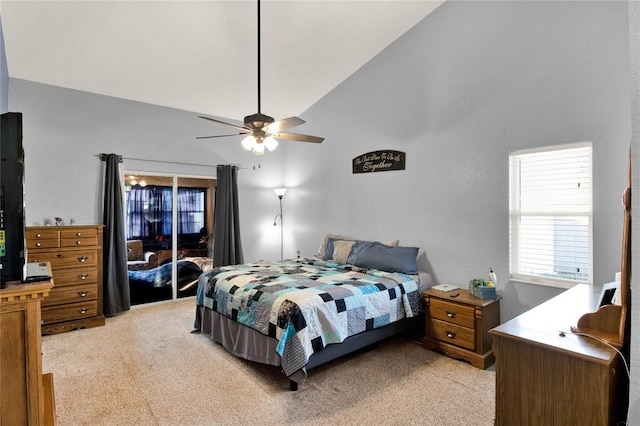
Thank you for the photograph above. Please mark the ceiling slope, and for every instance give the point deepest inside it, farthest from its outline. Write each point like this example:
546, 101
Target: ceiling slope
201, 56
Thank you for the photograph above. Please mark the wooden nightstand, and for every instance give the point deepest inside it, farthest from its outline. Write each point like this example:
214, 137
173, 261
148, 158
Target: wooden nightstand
459, 326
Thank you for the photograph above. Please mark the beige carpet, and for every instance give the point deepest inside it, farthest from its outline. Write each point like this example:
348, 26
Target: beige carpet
145, 368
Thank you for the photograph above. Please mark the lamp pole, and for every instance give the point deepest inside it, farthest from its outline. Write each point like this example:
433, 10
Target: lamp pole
280, 193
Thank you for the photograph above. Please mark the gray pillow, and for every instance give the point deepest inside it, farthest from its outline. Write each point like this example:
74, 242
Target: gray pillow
372, 254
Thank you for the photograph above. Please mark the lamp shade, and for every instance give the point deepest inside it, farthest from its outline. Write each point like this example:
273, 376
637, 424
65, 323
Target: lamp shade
280, 191
248, 143
271, 143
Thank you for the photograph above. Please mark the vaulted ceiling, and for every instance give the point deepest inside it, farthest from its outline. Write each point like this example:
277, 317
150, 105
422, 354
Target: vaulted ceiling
202, 55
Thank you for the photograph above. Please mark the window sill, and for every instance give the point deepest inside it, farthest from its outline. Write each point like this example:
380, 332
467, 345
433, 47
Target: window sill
545, 282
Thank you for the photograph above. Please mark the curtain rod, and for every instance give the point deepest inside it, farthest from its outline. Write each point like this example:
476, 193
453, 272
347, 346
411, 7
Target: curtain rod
102, 156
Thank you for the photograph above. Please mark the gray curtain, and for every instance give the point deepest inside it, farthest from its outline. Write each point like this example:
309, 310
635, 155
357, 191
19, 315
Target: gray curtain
227, 248
115, 278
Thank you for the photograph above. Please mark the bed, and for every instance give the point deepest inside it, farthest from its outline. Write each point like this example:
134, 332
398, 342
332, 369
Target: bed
300, 313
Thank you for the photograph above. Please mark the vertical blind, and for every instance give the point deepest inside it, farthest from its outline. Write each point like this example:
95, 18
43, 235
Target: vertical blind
551, 215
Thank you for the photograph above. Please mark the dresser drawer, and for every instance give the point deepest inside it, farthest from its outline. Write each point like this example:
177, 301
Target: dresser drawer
73, 276
42, 244
455, 313
452, 333
71, 294
63, 259
53, 314
78, 241
78, 232
41, 234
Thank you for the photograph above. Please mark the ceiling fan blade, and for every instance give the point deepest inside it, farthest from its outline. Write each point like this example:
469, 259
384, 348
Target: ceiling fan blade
298, 137
222, 136
284, 124
225, 123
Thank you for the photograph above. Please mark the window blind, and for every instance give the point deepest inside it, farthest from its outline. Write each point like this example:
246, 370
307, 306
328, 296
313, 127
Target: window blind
551, 215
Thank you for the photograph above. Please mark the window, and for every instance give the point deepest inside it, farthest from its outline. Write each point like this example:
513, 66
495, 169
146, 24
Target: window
550, 215
149, 211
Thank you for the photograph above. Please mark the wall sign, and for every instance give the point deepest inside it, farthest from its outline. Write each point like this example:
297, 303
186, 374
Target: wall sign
379, 161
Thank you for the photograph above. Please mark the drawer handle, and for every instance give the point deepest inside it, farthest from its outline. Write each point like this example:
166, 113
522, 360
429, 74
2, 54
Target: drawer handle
450, 314
83, 310
83, 293
38, 235
78, 243
83, 276
38, 244
83, 259
78, 234
450, 334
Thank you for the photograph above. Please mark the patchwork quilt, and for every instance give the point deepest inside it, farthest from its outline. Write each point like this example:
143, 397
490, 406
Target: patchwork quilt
307, 304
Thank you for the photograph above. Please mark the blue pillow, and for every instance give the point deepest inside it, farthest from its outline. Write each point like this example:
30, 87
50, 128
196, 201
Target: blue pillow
375, 255
328, 250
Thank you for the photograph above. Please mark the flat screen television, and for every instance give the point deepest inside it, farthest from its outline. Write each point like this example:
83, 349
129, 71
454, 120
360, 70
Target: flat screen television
12, 221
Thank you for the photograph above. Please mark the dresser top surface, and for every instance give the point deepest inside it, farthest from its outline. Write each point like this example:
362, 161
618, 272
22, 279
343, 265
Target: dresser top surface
542, 325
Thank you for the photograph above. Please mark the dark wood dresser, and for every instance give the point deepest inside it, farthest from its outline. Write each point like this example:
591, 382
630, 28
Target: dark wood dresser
75, 254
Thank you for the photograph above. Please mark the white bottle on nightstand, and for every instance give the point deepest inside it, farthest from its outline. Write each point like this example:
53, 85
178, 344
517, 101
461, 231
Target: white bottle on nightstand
491, 282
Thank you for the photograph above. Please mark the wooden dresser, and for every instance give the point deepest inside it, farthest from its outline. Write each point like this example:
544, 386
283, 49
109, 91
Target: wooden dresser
26, 395
546, 378
75, 254
459, 326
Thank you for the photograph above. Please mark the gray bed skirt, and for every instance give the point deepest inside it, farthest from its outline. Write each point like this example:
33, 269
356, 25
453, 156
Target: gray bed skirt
247, 343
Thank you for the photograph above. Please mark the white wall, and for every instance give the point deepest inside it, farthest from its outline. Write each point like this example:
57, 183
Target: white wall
65, 130
471, 82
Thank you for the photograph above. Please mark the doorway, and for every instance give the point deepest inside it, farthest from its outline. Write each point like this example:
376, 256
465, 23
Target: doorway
169, 231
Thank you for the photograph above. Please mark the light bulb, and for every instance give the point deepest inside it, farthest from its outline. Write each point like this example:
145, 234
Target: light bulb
248, 143
258, 149
270, 143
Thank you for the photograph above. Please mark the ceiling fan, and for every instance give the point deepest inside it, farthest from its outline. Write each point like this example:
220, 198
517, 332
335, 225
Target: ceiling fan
260, 130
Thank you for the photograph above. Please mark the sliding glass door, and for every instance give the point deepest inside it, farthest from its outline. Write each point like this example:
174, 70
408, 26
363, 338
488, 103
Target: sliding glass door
169, 229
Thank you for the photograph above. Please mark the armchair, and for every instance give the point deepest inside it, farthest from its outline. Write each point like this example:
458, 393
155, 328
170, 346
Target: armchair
138, 259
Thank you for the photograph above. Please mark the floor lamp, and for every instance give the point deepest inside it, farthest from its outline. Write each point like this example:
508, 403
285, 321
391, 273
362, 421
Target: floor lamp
280, 193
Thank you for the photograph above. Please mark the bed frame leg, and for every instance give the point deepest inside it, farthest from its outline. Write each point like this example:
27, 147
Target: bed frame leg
293, 386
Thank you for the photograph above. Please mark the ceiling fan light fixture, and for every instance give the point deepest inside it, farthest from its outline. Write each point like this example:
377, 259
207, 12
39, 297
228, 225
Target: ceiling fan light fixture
270, 143
260, 128
248, 143
258, 149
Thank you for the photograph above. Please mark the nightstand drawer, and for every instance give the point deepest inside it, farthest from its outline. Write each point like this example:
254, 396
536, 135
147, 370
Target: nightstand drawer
452, 333
452, 312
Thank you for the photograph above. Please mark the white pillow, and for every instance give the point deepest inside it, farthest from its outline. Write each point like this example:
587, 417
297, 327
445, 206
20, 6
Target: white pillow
341, 250
325, 238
